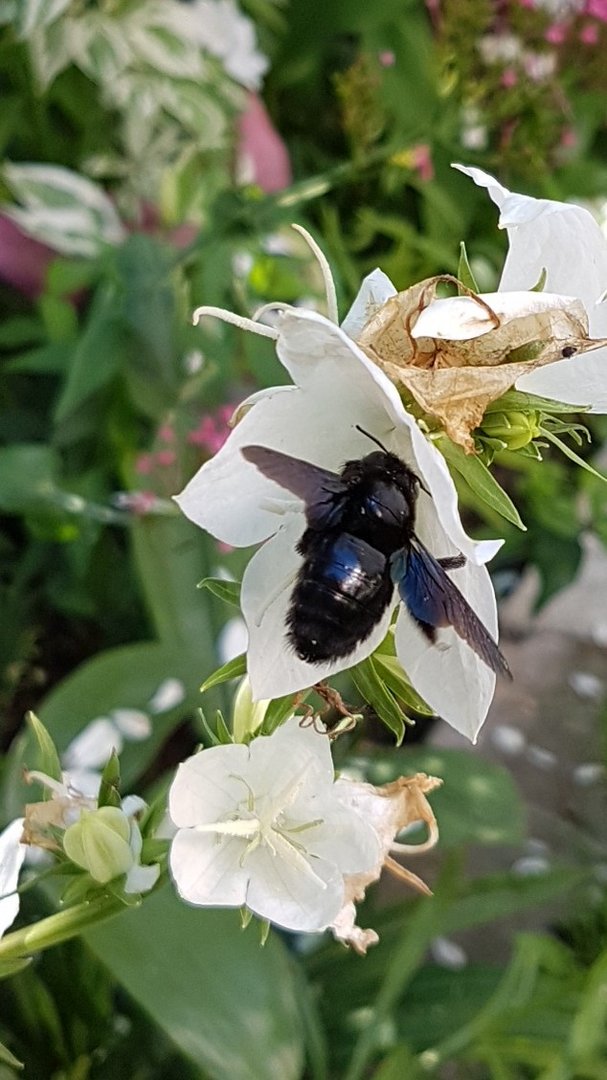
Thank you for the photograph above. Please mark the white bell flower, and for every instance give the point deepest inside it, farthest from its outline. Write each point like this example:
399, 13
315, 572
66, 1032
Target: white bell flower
12, 854
336, 389
566, 242
263, 827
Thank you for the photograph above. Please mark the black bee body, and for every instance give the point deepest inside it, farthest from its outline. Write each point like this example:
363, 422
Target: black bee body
345, 585
359, 544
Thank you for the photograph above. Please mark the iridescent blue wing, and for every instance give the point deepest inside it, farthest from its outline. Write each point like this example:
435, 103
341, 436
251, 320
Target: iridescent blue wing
434, 600
321, 490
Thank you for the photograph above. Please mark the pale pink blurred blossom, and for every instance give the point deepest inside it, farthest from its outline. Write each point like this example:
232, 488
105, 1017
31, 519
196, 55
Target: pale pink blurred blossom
166, 433
598, 8
589, 34
144, 464
509, 78
422, 161
569, 138
557, 33
213, 429
23, 261
165, 458
262, 156
387, 58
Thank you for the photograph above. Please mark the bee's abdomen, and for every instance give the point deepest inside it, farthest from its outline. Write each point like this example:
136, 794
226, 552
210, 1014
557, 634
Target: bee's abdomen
342, 590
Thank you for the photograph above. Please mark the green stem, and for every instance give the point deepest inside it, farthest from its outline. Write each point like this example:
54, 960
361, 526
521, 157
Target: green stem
57, 928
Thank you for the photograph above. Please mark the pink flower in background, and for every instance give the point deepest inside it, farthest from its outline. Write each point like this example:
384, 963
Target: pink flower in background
598, 8
589, 34
23, 261
556, 34
387, 58
262, 155
509, 78
422, 161
213, 429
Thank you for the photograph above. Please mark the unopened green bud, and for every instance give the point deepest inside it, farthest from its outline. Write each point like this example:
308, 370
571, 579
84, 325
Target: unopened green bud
100, 843
514, 429
247, 715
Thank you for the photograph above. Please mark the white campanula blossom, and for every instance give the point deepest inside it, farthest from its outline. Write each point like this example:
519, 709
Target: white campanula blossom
263, 827
335, 390
566, 242
12, 854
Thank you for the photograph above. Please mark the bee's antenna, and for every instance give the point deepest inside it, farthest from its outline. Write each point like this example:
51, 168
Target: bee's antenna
372, 438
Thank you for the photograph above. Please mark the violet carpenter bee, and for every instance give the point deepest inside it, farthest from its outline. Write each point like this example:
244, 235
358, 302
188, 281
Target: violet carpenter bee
359, 544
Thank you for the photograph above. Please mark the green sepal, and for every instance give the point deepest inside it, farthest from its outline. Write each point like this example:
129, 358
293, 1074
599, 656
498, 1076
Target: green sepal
48, 759
228, 591
220, 735
480, 480
245, 917
541, 281
571, 454
372, 688
521, 401
277, 712
109, 788
234, 669
264, 931
464, 270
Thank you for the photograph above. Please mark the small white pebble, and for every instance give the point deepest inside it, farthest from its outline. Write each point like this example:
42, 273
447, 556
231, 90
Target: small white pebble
587, 685
509, 739
530, 866
588, 773
448, 954
541, 757
133, 723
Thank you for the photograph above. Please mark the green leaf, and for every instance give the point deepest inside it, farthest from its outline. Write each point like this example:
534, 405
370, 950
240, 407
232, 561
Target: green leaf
27, 476
48, 758
233, 669
464, 270
587, 1036
541, 281
478, 802
229, 591
97, 356
390, 670
370, 685
401, 1063
480, 480
13, 967
229, 1006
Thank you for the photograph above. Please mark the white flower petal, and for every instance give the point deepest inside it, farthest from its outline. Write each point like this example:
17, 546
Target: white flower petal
132, 723
343, 837
449, 675
374, 291
12, 854
567, 242
141, 879
205, 787
207, 869
284, 893
274, 668
461, 318
169, 694
93, 746
292, 754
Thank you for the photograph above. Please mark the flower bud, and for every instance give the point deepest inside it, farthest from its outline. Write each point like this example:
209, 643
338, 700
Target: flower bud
514, 429
247, 715
100, 843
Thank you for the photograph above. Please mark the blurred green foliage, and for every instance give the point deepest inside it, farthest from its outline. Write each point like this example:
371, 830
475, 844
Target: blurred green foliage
105, 389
